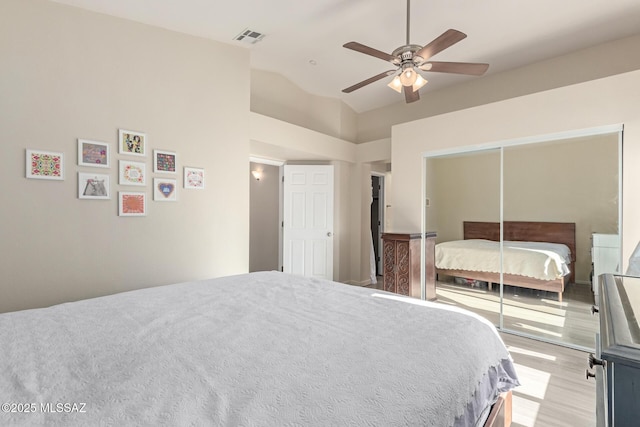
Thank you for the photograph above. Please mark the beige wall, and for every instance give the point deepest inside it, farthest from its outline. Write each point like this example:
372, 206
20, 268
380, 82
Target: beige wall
264, 218
462, 188
573, 180
343, 232
566, 181
607, 101
65, 74
275, 96
277, 139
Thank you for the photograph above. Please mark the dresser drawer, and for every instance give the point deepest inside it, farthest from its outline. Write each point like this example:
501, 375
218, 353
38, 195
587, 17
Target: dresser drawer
601, 389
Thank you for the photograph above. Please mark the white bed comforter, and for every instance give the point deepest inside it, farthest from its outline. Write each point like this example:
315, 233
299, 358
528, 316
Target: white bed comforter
544, 261
262, 349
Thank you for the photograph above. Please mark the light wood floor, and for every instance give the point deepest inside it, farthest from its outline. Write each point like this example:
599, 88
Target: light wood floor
554, 391
528, 311
531, 312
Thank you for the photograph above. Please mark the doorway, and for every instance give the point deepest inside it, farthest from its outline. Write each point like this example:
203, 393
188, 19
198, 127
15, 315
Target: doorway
264, 215
377, 219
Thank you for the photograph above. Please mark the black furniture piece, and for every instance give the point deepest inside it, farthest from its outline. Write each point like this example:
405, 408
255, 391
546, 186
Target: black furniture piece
616, 363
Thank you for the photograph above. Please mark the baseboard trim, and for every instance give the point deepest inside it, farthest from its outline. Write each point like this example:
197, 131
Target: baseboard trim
358, 283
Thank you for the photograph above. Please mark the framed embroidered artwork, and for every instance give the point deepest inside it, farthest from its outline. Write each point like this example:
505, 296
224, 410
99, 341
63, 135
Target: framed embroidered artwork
164, 161
93, 186
93, 153
130, 142
164, 190
194, 178
44, 165
132, 173
132, 204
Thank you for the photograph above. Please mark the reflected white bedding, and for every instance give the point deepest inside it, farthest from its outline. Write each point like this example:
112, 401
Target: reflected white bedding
261, 349
544, 261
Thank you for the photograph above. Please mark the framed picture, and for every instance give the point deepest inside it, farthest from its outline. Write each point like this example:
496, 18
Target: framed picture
164, 190
132, 173
93, 186
194, 178
45, 165
164, 161
132, 204
93, 153
130, 142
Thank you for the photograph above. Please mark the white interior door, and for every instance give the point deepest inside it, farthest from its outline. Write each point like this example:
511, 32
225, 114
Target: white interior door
308, 220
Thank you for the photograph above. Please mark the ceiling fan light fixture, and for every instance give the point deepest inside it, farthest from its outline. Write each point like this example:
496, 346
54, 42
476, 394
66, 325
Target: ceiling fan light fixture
410, 59
420, 81
396, 84
408, 76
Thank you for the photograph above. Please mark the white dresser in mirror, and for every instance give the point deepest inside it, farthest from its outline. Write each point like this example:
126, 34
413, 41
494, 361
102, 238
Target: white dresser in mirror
605, 256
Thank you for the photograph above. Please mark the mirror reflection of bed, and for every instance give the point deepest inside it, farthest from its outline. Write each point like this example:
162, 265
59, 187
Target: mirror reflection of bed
570, 180
535, 255
539, 268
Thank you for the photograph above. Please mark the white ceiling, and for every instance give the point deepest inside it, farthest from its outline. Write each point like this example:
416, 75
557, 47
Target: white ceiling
504, 33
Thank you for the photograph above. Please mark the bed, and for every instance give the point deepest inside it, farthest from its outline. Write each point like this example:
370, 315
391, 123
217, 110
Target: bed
258, 349
537, 255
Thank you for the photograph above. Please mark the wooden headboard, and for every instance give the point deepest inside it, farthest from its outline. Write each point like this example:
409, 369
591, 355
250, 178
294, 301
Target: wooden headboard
526, 231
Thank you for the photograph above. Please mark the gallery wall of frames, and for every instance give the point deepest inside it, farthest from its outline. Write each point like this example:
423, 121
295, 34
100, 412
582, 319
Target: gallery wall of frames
97, 168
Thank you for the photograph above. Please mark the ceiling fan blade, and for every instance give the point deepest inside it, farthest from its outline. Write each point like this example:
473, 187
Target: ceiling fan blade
358, 47
410, 95
469, 68
368, 81
445, 40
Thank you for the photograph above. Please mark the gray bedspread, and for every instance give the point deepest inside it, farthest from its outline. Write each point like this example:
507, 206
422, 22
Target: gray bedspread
261, 349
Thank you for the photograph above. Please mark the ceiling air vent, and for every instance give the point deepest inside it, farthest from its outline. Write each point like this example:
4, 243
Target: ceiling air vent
249, 36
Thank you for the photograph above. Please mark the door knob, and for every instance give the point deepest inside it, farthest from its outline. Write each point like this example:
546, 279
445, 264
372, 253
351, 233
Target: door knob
329, 234
595, 361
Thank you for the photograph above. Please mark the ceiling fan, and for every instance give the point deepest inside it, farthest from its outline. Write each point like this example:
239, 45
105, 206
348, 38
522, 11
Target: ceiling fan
411, 58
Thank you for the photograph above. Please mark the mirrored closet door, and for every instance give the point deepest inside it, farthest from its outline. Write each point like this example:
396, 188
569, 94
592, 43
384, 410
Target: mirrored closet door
463, 188
518, 228
568, 189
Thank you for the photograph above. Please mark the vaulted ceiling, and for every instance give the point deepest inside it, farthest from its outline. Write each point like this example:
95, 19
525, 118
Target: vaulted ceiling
303, 39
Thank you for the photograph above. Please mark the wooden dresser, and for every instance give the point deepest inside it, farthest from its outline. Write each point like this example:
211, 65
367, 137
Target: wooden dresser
401, 258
